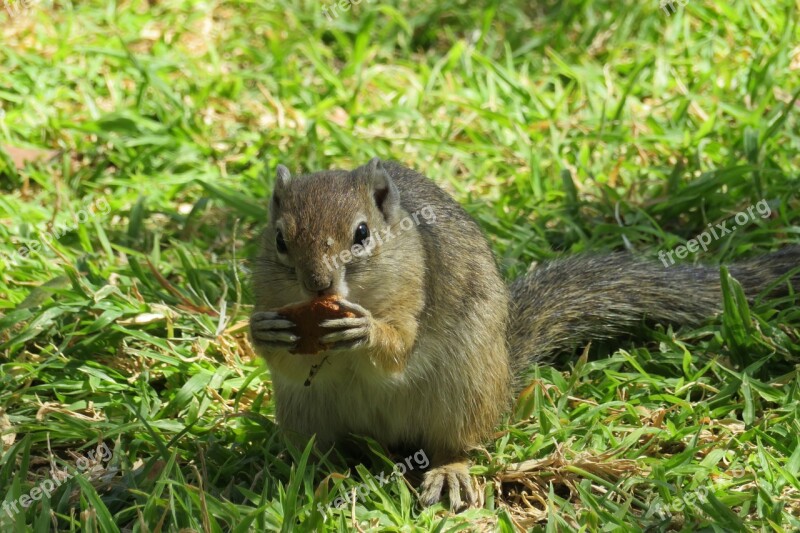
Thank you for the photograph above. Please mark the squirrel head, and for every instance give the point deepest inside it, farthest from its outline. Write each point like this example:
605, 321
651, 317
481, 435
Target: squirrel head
331, 232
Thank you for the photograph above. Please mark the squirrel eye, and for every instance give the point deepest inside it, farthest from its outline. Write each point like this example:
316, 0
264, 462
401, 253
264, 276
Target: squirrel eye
362, 234
280, 243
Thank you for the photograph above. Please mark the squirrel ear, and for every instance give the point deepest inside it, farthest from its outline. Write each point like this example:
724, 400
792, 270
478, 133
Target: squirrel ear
282, 179
384, 190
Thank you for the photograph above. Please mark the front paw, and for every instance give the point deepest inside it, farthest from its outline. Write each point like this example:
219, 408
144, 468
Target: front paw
269, 329
351, 333
454, 479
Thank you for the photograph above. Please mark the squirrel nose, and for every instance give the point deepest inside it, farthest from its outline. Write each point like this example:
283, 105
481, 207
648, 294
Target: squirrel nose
317, 284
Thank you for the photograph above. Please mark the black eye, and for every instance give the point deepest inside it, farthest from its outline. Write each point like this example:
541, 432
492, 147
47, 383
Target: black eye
362, 234
280, 243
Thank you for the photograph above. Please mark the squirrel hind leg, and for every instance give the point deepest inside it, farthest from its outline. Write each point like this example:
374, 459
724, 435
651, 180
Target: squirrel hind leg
453, 478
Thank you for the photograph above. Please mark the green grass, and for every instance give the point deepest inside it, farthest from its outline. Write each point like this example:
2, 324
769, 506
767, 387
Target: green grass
561, 126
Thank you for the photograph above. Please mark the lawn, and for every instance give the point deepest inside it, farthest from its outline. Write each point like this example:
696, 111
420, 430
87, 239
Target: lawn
138, 146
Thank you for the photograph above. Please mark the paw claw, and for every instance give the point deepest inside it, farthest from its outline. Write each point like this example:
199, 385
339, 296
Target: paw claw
353, 332
268, 329
349, 335
432, 489
355, 308
344, 322
455, 477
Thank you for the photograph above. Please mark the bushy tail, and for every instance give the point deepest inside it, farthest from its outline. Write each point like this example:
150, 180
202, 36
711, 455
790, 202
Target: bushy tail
565, 303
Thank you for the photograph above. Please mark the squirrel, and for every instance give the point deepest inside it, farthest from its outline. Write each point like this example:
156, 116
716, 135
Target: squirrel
430, 357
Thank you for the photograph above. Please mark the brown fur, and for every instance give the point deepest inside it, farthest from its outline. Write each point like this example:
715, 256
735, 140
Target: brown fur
433, 369
435, 374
